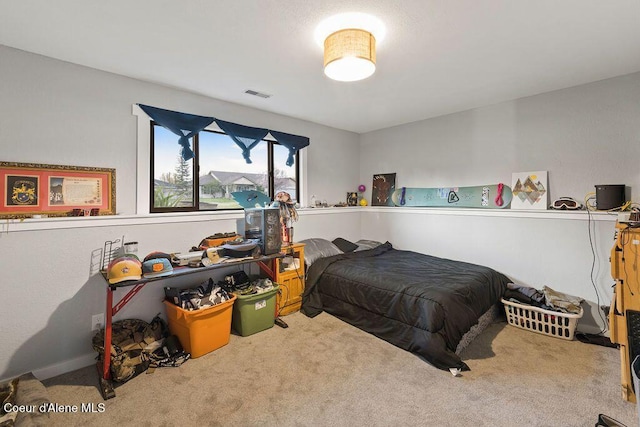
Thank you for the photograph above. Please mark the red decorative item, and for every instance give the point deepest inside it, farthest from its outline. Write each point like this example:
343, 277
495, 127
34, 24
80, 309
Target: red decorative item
287, 235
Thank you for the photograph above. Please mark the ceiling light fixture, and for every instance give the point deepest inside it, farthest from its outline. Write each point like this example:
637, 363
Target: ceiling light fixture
350, 55
349, 42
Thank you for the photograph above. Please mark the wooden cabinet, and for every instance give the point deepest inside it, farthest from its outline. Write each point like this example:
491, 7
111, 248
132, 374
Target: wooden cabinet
624, 314
288, 272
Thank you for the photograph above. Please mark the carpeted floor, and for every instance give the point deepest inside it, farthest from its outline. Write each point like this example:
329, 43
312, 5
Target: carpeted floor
324, 372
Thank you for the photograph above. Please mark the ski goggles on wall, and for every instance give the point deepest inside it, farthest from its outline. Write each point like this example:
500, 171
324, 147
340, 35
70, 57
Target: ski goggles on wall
566, 203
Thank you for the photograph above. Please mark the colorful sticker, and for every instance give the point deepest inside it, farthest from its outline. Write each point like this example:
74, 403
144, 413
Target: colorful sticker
485, 196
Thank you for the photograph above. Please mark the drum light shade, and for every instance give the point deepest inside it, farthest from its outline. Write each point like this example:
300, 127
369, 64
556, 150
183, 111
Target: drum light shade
350, 55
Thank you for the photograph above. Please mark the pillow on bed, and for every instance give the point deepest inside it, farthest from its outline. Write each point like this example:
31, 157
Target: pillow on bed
345, 245
364, 245
318, 248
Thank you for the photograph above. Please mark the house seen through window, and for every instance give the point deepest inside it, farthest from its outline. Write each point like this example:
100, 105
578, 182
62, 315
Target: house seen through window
208, 181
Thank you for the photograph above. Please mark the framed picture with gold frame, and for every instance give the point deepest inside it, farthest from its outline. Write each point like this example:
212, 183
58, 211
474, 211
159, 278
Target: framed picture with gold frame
29, 189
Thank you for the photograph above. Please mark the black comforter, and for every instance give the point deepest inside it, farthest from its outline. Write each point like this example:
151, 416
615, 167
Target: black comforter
417, 302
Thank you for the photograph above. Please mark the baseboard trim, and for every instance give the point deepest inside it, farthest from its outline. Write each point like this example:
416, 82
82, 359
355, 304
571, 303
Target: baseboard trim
64, 367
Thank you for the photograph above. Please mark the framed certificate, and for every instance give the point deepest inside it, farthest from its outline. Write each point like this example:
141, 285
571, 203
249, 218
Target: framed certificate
30, 189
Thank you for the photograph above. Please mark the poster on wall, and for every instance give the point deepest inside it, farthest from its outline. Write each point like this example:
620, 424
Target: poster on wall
530, 190
384, 184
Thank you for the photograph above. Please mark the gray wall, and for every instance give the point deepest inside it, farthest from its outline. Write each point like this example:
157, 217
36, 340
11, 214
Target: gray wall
54, 112
59, 113
583, 136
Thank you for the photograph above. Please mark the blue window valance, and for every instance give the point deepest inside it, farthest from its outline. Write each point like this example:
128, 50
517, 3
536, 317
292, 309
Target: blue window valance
246, 137
182, 124
292, 142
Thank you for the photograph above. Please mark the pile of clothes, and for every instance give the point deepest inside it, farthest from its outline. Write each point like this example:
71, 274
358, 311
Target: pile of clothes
210, 293
239, 283
256, 287
205, 295
547, 298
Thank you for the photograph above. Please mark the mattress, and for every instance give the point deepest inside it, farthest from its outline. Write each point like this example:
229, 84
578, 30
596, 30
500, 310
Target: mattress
420, 303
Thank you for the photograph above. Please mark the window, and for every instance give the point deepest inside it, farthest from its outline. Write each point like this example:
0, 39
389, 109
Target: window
208, 181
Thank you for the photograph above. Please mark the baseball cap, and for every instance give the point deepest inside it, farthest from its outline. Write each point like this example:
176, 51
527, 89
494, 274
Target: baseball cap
129, 255
124, 268
156, 254
157, 267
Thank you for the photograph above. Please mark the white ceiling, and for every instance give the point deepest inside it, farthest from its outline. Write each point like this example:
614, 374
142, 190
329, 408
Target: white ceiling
438, 57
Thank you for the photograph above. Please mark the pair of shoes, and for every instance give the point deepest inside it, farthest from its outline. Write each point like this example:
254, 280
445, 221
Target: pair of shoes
607, 421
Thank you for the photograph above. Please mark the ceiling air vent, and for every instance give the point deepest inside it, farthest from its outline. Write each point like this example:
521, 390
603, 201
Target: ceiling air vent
256, 93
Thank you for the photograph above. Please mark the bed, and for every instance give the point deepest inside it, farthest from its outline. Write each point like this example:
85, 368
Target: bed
420, 303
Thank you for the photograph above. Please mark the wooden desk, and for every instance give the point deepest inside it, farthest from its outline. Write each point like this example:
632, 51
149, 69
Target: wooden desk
624, 313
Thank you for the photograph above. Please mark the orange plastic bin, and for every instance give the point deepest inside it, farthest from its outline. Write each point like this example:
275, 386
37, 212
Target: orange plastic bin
201, 331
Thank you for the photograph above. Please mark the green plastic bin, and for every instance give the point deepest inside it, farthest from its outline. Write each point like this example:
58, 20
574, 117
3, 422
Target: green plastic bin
254, 313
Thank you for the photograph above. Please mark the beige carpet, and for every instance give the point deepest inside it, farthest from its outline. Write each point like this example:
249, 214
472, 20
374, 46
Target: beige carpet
324, 372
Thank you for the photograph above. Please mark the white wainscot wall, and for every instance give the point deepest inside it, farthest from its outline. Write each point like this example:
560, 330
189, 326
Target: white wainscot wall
531, 248
51, 288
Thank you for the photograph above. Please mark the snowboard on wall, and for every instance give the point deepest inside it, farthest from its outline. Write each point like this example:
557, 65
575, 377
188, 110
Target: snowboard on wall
496, 196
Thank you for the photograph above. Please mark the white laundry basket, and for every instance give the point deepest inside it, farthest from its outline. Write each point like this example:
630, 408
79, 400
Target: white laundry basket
547, 322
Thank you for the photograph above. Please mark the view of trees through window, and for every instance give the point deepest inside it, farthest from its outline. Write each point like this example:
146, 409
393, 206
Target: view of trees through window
221, 171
